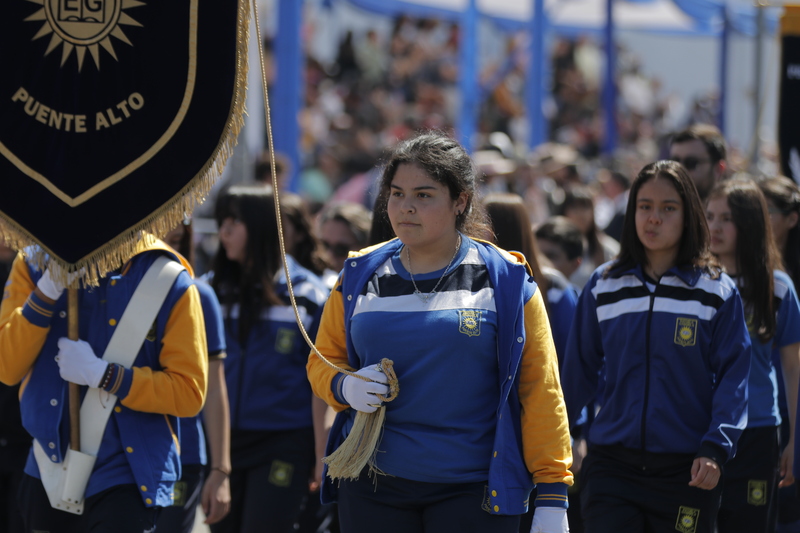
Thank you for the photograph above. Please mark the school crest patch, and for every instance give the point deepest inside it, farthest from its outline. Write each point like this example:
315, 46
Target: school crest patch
280, 474
179, 493
757, 492
687, 519
284, 341
686, 331
469, 322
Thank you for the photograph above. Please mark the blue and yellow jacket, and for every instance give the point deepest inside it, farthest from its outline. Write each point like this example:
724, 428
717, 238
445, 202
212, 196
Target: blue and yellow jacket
673, 363
168, 378
531, 443
267, 385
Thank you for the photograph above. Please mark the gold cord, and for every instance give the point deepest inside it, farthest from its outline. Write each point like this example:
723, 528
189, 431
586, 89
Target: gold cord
386, 364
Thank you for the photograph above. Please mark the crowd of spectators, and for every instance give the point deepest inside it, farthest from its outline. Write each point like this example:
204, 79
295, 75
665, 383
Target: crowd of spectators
384, 85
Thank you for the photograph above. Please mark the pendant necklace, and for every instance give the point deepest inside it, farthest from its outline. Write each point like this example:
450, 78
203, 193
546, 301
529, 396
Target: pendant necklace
426, 296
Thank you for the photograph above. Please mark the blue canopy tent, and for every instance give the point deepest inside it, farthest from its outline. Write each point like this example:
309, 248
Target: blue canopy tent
540, 17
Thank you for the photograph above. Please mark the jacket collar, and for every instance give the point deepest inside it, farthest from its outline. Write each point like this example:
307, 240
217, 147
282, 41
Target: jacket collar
690, 276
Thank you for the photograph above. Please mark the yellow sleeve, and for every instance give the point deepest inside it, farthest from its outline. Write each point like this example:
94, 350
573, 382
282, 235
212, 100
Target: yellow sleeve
20, 340
545, 429
179, 389
331, 342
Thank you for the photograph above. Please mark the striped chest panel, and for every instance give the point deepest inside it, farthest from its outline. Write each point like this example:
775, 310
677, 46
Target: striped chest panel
390, 289
627, 294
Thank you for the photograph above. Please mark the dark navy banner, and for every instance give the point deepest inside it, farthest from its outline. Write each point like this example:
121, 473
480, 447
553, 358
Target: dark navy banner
789, 104
111, 111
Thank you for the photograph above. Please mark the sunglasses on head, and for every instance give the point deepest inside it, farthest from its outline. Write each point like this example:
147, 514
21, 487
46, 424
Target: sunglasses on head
690, 161
337, 249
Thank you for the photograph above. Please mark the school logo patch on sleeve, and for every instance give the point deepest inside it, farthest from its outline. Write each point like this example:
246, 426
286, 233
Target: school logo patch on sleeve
757, 492
687, 519
686, 331
469, 322
284, 340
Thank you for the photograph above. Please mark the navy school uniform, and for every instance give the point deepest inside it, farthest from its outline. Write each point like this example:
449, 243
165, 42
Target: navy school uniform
673, 360
272, 437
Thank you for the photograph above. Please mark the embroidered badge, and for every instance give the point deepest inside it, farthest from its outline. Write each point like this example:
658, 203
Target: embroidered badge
686, 331
687, 519
284, 340
280, 474
486, 505
469, 323
82, 26
756, 492
179, 494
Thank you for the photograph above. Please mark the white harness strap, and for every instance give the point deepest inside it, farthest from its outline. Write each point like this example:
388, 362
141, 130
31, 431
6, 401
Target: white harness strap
65, 483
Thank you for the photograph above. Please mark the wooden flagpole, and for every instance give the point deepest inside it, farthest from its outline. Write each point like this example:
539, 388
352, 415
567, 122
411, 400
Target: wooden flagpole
74, 389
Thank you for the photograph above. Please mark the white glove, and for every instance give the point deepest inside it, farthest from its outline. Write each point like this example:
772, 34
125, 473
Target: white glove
360, 394
49, 287
77, 363
52, 288
550, 520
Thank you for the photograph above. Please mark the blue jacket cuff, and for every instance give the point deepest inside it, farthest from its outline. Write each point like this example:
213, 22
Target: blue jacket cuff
120, 382
713, 451
37, 311
336, 387
551, 495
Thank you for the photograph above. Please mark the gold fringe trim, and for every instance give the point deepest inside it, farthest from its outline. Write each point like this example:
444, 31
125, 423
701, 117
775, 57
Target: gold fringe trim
790, 20
88, 270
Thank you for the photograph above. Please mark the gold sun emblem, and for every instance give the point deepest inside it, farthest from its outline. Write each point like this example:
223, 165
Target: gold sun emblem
82, 25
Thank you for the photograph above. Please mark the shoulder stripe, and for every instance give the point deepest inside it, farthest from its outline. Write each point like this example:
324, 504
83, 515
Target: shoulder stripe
723, 287
308, 291
615, 284
622, 294
681, 307
687, 294
781, 288
280, 313
554, 295
276, 313
631, 305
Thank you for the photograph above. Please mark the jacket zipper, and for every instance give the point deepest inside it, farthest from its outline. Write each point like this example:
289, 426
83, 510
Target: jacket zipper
647, 375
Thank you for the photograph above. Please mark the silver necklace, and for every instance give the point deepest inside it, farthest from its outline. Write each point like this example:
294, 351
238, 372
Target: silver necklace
426, 296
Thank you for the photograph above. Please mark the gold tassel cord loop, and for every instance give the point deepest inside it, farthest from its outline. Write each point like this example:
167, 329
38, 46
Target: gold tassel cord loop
387, 367
360, 447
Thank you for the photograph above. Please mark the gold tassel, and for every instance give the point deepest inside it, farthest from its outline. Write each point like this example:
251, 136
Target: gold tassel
360, 448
